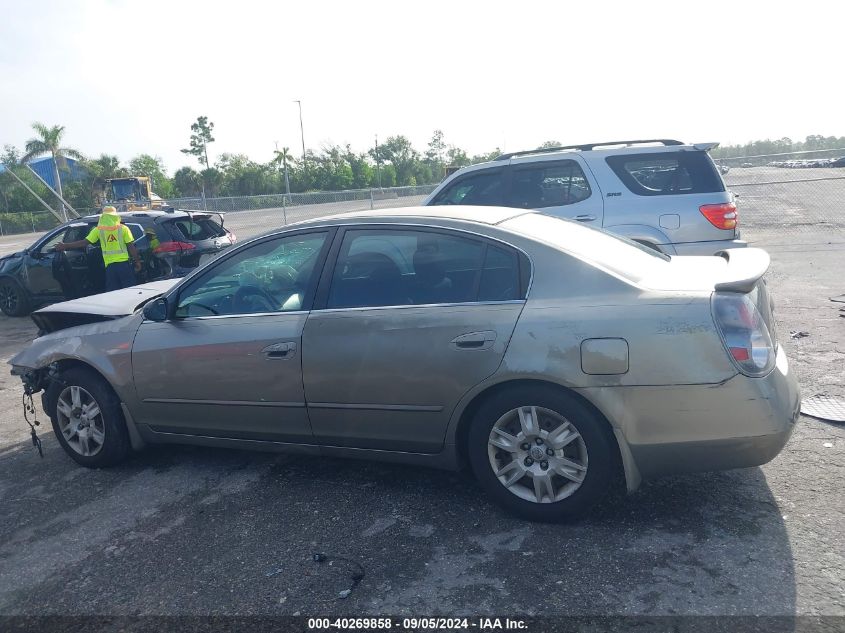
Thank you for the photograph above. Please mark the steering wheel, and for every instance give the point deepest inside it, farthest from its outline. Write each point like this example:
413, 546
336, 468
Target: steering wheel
241, 304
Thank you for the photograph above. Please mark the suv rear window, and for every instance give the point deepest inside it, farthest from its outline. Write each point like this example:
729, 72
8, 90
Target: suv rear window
667, 173
197, 229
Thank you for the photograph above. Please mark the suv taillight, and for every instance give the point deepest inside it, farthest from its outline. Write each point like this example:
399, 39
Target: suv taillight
173, 247
744, 333
722, 216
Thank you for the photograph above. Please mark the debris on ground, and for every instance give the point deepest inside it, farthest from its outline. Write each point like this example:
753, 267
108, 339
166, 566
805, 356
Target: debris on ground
357, 574
798, 333
824, 407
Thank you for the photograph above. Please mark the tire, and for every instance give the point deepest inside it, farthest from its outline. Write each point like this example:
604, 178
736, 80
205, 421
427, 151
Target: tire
99, 441
14, 300
580, 468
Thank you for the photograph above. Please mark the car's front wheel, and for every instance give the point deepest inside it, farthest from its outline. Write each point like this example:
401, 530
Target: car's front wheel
88, 420
541, 453
14, 300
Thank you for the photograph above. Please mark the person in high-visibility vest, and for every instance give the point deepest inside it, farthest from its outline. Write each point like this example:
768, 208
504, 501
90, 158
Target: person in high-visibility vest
116, 243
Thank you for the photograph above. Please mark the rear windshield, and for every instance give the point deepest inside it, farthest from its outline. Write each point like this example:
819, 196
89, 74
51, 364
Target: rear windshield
667, 173
197, 229
622, 256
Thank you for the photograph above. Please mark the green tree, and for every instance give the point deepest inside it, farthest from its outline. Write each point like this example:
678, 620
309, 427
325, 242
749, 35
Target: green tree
549, 144
456, 157
280, 161
106, 166
187, 182
49, 141
153, 168
398, 151
200, 138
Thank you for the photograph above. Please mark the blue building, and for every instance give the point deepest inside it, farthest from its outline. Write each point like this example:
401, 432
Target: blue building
44, 168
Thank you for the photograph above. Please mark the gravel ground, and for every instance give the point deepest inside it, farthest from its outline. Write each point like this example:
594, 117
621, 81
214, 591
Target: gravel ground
190, 531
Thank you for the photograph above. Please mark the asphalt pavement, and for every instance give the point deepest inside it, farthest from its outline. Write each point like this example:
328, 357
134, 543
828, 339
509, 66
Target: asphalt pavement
180, 530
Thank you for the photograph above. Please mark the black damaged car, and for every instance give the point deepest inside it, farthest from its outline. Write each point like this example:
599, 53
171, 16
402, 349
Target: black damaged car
171, 244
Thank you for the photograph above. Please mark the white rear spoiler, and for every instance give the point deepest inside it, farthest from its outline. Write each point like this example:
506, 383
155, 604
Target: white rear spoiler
745, 267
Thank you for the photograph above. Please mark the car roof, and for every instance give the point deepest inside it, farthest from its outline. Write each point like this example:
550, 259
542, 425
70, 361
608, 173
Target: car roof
139, 216
464, 213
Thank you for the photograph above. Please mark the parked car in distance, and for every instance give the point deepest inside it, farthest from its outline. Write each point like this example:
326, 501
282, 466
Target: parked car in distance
837, 162
171, 244
664, 194
544, 355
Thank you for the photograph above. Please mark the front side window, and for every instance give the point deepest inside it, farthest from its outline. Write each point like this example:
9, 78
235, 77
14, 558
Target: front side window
484, 188
543, 185
667, 173
277, 275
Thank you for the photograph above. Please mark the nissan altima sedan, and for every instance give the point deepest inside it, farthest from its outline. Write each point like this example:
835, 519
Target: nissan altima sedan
545, 356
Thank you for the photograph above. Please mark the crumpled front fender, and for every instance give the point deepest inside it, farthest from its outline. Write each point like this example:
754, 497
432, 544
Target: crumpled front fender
104, 346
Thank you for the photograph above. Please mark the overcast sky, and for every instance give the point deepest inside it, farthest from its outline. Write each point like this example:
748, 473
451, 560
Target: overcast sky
126, 76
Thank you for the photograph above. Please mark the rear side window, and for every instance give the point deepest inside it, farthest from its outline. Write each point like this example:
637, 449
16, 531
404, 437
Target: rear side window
548, 184
484, 188
500, 279
197, 229
667, 173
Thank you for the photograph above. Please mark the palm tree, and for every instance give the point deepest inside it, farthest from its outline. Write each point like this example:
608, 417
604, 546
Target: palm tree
283, 156
49, 142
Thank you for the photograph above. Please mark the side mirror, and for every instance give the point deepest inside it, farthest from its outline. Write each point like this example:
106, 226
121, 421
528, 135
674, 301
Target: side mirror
156, 310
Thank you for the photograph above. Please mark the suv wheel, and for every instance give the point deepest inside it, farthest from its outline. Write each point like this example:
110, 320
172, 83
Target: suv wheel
14, 300
88, 421
541, 454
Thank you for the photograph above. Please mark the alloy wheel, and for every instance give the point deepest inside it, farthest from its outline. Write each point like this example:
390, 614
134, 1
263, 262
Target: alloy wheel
80, 420
537, 454
8, 298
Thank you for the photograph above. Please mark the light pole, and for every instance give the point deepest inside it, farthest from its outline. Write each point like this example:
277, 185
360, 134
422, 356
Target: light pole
378, 165
301, 129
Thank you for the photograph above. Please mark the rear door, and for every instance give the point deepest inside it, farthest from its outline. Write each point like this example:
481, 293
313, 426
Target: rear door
408, 321
563, 188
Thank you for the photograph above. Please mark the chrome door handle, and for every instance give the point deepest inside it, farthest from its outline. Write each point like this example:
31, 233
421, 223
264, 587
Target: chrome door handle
584, 218
278, 351
474, 340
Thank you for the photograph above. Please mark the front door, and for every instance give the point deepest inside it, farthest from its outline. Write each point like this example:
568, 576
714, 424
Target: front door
562, 188
410, 321
229, 361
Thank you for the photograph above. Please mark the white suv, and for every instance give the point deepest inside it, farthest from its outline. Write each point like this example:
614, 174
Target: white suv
661, 193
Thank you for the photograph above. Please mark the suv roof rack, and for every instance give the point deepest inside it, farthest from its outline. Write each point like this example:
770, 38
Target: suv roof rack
587, 147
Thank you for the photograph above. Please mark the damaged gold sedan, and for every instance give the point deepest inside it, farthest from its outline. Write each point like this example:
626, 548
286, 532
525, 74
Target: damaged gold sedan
541, 354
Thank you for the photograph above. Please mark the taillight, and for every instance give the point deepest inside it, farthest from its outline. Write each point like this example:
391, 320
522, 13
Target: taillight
232, 237
173, 247
744, 333
722, 216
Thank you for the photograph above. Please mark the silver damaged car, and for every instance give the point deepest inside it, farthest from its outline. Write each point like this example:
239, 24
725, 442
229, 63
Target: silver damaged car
543, 355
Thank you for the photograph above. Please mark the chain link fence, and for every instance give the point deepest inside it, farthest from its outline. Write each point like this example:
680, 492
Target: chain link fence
784, 206
26, 222
251, 215
781, 202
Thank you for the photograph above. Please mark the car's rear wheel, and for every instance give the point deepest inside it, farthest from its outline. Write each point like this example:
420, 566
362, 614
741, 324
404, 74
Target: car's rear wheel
88, 420
541, 453
14, 300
